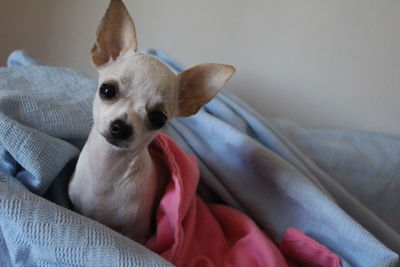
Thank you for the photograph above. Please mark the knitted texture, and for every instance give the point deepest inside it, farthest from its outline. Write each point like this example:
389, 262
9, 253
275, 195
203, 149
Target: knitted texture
45, 118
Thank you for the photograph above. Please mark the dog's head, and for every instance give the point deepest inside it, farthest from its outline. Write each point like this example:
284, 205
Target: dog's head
137, 93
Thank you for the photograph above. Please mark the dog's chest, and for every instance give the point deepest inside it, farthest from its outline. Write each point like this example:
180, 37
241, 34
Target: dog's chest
118, 205
120, 195
115, 187
114, 205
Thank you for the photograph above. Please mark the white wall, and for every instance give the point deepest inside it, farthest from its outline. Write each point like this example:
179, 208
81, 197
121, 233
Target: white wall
329, 64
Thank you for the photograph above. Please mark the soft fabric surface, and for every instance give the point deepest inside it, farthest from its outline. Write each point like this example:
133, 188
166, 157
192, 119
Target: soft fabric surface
304, 250
193, 233
339, 188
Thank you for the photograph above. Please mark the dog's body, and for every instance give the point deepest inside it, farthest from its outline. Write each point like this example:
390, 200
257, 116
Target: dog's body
120, 194
115, 181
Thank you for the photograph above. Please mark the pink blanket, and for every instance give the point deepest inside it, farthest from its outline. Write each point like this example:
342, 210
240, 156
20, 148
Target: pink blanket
193, 233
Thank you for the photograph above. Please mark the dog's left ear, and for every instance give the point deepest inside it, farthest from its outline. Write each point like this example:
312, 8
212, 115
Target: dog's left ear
198, 85
115, 35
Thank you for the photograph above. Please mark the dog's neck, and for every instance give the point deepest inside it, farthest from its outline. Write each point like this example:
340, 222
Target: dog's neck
113, 164
118, 187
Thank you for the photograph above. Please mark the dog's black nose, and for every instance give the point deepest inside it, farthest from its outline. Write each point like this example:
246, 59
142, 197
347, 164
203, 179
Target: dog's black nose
120, 131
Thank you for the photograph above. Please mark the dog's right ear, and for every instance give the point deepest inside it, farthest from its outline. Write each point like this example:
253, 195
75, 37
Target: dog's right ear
115, 35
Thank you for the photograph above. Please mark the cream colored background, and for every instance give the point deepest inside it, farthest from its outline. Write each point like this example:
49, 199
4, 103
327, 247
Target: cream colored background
322, 63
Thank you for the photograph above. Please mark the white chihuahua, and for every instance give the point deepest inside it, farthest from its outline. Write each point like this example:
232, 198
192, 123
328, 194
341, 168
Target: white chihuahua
115, 180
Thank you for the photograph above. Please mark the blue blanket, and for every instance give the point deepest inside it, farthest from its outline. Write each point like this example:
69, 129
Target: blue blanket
340, 188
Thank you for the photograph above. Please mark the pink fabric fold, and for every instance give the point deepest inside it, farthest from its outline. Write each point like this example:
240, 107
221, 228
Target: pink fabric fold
193, 233
302, 248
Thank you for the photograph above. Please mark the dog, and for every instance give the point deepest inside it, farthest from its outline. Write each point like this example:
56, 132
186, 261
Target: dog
115, 179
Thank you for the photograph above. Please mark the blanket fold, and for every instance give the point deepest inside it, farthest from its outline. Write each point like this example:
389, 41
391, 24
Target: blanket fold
193, 233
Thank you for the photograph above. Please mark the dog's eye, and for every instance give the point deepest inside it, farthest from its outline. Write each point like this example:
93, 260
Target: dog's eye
157, 119
108, 91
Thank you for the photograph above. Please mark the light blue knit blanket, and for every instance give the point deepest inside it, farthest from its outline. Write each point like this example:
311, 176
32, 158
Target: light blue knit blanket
340, 188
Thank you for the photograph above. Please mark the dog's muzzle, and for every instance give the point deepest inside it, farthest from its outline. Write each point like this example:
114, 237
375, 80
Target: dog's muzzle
119, 131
